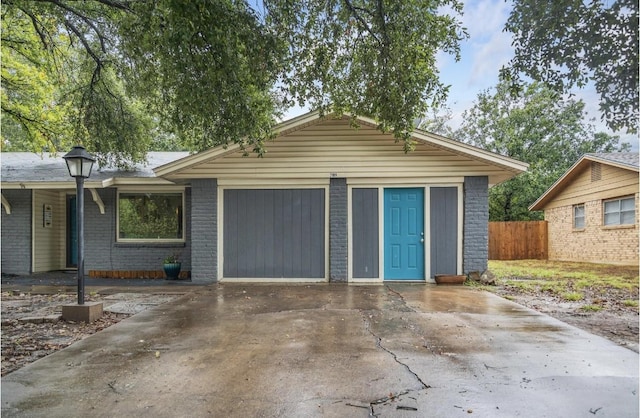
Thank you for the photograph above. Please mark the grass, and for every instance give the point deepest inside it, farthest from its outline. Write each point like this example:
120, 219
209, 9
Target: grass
631, 303
572, 296
565, 278
591, 308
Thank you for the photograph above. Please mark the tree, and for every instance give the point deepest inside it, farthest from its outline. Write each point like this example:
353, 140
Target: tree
60, 86
537, 126
437, 122
569, 43
215, 72
373, 58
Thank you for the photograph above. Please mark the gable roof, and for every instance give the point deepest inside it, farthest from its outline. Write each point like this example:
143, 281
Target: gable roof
505, 166
44, 171
624, 160
619, 159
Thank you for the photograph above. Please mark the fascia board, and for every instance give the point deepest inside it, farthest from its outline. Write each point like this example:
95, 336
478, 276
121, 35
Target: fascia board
191, 160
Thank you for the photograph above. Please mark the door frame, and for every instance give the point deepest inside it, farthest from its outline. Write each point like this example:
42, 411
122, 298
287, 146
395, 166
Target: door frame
388, 224
380, 186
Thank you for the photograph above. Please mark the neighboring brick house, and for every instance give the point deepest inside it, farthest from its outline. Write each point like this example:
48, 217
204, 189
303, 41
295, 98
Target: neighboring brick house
326, 203
592, 210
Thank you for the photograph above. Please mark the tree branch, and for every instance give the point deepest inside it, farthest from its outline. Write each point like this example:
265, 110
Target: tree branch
39, 28
85, 19
354, 12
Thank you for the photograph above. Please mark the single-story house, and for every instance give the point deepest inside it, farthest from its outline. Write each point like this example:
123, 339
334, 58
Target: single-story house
326, 203
592, 210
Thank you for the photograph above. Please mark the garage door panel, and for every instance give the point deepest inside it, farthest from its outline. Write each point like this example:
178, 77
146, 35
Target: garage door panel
444, 230
274, 233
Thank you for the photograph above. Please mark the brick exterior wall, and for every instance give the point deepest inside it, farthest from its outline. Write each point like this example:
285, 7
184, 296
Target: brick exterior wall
595, 243
338, 230
475, 237
204, 230
103, 253
16, 233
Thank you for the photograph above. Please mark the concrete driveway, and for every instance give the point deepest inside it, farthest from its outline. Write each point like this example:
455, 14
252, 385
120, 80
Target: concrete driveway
333, 351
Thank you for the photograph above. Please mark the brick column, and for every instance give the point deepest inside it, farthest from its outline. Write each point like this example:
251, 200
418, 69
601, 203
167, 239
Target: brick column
204, 230
475, 239
338, 230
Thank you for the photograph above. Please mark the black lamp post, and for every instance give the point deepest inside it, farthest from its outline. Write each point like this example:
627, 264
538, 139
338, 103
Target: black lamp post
79, 162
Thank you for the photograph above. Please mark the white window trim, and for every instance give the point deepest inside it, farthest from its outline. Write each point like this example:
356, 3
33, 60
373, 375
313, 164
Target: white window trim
619, 224
156, 190
573, 217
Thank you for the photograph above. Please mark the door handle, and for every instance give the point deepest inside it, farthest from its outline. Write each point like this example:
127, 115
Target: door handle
422, 240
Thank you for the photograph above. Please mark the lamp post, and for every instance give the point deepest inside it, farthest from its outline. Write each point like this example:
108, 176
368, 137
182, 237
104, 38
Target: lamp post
79, 162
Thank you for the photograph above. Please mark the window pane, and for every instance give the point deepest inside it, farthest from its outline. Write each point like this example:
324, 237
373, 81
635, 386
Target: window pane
627, 204
612, 206
578, 216
150, 216
628, 218
612, 218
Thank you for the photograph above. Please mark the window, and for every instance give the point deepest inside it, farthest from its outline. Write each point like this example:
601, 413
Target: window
578, 217
620, 211
150, 216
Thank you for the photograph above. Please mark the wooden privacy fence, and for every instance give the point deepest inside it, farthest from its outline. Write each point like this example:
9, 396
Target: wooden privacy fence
518, 240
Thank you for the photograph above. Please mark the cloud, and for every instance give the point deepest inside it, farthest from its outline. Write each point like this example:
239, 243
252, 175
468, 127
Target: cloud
484, 18
489, 57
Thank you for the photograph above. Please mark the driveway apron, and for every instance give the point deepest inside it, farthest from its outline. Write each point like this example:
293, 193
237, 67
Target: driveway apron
333, 351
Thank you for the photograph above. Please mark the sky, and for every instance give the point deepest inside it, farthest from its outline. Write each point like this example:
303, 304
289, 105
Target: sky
486, 50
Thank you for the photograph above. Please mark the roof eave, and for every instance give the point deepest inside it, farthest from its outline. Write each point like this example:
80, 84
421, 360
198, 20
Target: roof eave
182, 163
89, 184
618, 164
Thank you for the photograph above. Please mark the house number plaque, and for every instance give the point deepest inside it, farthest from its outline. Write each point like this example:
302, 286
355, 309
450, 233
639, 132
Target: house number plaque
47, 216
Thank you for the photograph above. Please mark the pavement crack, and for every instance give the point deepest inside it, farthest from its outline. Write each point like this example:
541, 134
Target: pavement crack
112, 385
401, 298
378, 340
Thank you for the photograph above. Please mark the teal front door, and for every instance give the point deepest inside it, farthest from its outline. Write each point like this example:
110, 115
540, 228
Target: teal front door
404, 234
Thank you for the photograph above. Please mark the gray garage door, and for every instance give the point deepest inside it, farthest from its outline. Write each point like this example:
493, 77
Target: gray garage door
274, 233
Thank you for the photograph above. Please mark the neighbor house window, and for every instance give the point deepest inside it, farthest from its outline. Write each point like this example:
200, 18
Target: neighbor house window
620, 211
578, 217
150, 216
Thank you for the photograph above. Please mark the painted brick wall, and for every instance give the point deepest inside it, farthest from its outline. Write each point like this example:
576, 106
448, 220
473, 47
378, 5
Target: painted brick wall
102, 252
338, 230
16, 233
595, 243
475, 238
204, 230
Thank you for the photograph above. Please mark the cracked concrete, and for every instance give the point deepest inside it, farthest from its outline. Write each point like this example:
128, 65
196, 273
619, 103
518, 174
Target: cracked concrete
397, 350
400, 396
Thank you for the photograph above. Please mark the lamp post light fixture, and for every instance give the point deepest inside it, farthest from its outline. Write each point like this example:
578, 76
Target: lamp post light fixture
79, 162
